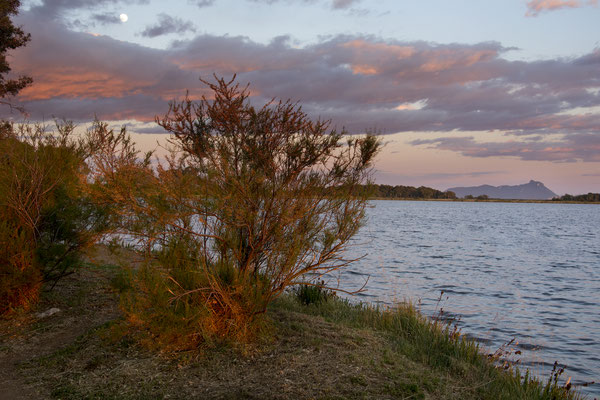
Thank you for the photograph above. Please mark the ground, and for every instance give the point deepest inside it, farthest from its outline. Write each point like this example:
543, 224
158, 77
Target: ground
85, 300
83, 352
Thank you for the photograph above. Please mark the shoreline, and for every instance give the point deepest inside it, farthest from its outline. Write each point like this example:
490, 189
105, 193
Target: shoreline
331, 350
487, 200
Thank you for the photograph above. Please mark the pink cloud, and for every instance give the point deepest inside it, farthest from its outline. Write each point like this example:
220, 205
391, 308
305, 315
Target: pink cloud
535, 7
573, 148
359, 82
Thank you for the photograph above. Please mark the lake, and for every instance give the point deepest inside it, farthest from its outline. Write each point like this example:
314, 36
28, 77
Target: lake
508, 270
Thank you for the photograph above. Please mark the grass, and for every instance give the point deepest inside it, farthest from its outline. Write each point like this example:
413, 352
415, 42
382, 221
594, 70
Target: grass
428, 357
325, 350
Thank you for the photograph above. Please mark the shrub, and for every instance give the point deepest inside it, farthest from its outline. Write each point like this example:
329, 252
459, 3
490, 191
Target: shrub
20, 280
249, 201
46, 220
315, 293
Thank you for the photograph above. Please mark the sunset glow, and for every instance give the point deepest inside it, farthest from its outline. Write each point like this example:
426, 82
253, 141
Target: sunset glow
478, 102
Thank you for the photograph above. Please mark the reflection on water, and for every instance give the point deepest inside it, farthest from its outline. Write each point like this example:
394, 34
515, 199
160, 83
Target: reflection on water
528, 271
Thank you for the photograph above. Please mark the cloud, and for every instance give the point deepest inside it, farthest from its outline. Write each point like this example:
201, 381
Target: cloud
447, 175
202, 3
535, 7
334, 4
359, 82
167, 24
106, 18
343, 4
55, 9
569, 148
78, 75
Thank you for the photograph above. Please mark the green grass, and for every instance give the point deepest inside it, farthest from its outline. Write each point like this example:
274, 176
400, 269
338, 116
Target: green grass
325, 350
439, 353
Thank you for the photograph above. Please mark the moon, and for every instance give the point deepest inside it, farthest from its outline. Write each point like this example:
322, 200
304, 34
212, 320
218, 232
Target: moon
123, 17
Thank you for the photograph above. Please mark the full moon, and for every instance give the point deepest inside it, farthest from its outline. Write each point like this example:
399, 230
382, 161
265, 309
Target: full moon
123, 17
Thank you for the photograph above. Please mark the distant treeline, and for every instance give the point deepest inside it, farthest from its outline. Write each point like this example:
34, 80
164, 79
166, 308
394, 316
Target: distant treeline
424, 192
588, 198
409, 192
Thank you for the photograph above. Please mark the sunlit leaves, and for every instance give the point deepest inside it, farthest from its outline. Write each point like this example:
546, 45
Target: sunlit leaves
237, 212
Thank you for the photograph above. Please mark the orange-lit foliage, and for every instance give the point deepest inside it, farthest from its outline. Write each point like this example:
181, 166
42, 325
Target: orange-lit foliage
20, 281
250, 202
44, 220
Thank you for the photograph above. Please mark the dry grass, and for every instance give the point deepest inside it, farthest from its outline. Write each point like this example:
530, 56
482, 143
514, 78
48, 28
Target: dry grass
333, 351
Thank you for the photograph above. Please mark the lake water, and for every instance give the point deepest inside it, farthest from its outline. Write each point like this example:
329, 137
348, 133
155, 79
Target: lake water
508, 270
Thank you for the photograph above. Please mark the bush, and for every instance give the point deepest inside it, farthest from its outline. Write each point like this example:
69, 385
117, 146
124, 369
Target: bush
248, 202
20, 280
46, 220
313, 294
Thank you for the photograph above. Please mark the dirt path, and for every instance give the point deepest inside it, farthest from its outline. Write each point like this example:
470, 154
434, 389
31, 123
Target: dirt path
12, 385
85, 302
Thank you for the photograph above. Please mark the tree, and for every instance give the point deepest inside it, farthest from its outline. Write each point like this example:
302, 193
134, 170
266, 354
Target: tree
250, 202
11, 37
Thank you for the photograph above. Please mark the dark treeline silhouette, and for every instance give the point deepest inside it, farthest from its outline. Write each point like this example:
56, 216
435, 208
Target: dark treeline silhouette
11, 37
409, 192
588, 198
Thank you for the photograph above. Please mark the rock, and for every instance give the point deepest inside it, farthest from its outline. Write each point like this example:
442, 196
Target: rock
48, 313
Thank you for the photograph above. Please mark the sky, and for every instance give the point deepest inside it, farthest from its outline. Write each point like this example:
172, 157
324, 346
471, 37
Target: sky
464, 92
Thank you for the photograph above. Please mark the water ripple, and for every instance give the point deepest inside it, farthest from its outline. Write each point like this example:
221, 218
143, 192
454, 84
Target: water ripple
528, 271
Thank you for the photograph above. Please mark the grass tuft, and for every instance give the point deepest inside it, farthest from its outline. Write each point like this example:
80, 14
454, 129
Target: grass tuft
312, 294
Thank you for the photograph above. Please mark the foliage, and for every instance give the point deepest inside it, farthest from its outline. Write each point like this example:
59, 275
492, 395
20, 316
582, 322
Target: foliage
11, 37
46, 220
20, 281
313, 294
249, 201
409, 192
584, 198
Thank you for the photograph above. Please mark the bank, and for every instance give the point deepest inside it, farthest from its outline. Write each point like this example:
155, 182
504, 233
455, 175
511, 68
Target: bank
330, 350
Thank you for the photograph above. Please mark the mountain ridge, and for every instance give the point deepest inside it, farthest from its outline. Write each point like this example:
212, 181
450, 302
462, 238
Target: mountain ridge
533, 190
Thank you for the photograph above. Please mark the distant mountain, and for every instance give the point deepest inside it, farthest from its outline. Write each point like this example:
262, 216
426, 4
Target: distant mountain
528, 191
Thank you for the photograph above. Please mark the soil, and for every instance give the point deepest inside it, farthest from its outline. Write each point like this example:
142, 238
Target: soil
85, 300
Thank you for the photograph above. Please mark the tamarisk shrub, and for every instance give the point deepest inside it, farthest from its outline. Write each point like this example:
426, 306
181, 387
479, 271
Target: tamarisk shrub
249, 202
46, 221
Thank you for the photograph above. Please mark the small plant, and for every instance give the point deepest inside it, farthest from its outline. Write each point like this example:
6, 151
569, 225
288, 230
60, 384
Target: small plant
313, 294
553, 386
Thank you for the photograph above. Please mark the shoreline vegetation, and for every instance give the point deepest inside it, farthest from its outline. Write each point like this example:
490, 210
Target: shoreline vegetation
326, 349
423, 193
226, 309
215, 312
216, 298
